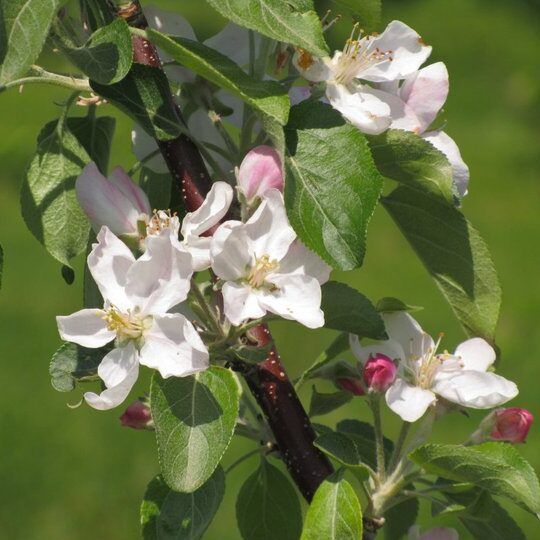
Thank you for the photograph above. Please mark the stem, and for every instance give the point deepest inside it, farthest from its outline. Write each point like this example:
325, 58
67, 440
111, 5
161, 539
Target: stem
402, 437
207, 310
41, 76
379, 440
242, 459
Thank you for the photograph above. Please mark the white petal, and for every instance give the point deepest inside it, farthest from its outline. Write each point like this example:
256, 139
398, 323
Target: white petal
460, 171
173, 347
389, 348
425, 92
476, 354
241, 302
143, 145
120, 369
476, 389
297, 298
160, 278
403, 117
168, 22
297, 94
408, 53
407, 401
401, 327
311, 68
199, 248
233, 42
212, 210
86, 327
231, 251
303, 261
269, 229
362, 109
131, 190
109, 262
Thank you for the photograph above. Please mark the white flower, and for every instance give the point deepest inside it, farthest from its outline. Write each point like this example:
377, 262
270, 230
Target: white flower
138, 293
265, 268
460, 378
393, 55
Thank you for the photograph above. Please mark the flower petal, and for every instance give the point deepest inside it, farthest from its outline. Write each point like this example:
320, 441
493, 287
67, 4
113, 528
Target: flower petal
311, 68
389, 348
476, 389
260, 171
131, 190
199, 248
303, 261
241, 302
476, 354
401, 327
173, 347
86, 327
407, 401
405, 48
119, 370
109, 262
169, 22
230, 251
403, 117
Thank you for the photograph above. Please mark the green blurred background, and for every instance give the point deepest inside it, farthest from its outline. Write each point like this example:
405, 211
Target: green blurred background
76, 474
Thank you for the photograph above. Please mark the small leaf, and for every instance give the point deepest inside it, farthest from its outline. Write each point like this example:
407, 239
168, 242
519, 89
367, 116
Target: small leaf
290, 21
347, 310
332, 185
267, 507
68, 275
454, 254
269, 97
324, 403
169, 515
391, 305
399, 519
194, 419
157, 186
334, 512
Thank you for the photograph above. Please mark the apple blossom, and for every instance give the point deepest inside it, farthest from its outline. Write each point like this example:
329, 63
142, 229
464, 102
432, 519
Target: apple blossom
137, 294
137, 416
511, 424
396, 53
264, 267
379, 372
461, 378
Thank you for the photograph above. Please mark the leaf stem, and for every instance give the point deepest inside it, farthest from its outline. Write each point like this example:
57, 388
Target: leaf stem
41, 76
374, 401
398, 448
242, 459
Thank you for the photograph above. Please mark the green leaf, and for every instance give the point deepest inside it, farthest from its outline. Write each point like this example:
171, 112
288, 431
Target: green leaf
495, 467
49, 204
399, 518
108, 54
72, 363
267, 507
24, 26
289, 21
415, 162
157, 186
334, 512
324, 403
169, 515
332, 185
1, 265
366, 12
348, 310
454, 254
144, 95
389, 304
194, 419
269, 97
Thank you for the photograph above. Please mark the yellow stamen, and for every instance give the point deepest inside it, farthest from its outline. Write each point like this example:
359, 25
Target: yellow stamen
262, 267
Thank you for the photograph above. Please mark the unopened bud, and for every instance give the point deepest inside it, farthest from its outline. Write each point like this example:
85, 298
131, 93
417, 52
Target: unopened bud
354, 386
137, 416
379, 372
511, 424
260, 171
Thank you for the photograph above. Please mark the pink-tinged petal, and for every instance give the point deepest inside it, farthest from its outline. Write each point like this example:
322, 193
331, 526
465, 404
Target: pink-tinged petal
476, 354
425, 92
460, 171
260, 171
173, 347
143, 145
303, 261
311, 68
131, 190
389, 348
109, 262
268, 228
403, 116
241, 303
296, 298
120, 368
405, 53
297, 94
86, 327
230, 251
361, 108
406, 331
407, 401
214, 207
511, 424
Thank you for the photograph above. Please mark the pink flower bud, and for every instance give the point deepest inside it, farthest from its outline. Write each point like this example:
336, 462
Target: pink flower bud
137, 416
379, 372
350, 385
260, 171
116, 201
511, 424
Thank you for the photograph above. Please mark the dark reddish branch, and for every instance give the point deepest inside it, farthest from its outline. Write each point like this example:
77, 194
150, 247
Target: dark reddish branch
267, 380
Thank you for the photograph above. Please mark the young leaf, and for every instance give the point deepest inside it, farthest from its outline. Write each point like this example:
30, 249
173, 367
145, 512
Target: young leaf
391, 305
194, 419
49, 204
1, 265
267, 507
399, 518
415, 162
347, 310
334, 512
169, 515
25, 26
495, 467
454, 254
366, 12
324, 403
332, 185
268, 97
108, 54
289, 21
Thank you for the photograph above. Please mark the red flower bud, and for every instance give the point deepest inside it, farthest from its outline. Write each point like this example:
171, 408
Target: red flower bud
511, 424
137, 416
379, 372
351, 385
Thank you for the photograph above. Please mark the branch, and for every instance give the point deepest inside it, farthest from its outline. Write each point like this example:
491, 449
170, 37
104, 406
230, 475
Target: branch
41, 76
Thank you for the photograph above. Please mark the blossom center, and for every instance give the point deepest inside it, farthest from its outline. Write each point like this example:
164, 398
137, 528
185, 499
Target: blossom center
260, 270
128, 325
160, 220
